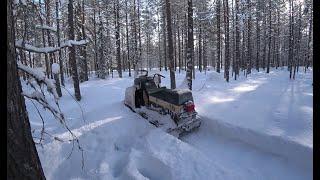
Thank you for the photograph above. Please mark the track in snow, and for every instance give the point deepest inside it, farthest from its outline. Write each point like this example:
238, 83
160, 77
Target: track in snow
244, 158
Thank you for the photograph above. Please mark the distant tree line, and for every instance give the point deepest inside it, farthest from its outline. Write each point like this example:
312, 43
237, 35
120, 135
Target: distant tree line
121, 35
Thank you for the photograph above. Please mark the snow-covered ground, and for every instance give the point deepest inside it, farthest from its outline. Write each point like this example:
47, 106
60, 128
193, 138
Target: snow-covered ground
258, 127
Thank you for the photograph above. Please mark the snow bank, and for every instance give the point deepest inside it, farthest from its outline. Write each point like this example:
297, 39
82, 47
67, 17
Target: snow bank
184, 161
293, 151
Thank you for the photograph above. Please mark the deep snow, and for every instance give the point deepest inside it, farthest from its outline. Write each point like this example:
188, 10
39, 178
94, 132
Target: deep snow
258, 127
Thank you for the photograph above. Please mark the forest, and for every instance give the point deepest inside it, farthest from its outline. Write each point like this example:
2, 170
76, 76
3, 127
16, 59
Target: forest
246, 64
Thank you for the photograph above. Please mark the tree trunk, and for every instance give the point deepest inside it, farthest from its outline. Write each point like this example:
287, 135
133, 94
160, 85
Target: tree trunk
83, 51
118, 39
190, 45
258, 34
237, 58
23, 161
218, 36
127, 39
200, 48
227, 50
249, 38
170, 43
58, 40
269, 42
72, 54
164, 39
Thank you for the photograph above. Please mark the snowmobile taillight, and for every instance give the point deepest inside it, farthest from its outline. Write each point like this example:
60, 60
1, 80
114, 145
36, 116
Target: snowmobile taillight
190, 107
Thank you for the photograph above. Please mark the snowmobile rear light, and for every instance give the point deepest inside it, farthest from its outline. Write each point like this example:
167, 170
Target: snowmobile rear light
190, 107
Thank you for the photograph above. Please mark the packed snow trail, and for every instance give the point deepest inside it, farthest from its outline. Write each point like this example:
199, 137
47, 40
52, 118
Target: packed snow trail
119, 144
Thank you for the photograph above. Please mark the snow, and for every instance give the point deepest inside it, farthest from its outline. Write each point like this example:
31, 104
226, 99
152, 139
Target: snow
69, 43
32, 48
40, 76
258, 127
46, 27
55, 68
49, 49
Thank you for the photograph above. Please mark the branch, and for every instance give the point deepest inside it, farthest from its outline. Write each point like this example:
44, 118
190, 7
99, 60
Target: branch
46, 28
31, 48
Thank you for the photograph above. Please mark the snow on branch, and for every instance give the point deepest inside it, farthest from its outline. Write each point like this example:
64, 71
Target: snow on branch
40, 77
36, 82
46, 27
34, 49
31, 48
69, 43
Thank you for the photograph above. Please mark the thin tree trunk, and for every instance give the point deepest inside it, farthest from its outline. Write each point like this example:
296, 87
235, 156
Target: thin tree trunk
127, 39
269, 42
118, 39
190, 45
200, 48
249, 39
258, 35
237, 59
226, 22
72, 54
218, 36
170, 45
58, 40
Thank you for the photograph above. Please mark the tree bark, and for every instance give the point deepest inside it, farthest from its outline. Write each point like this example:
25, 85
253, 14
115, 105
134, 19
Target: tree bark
72, 54
23, 161
58, 39
170, 45
227, 57
118, 39
218, 36
189, 45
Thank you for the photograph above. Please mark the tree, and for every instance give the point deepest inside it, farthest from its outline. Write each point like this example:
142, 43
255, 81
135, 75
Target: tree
249, 38
269, 41
237, 58
72, 55
218, 36
227, 50
58, 40
291, 41
23, 161
117, 35
258, 34
84, 67
170, 43
190, 45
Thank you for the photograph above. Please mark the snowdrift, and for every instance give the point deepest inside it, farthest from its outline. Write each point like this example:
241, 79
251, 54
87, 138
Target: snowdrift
291, 150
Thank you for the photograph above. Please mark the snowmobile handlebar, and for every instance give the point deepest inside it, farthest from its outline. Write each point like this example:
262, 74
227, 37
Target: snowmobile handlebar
157, 74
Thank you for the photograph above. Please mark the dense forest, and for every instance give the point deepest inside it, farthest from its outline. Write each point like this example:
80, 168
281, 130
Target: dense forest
100, 37
54, 46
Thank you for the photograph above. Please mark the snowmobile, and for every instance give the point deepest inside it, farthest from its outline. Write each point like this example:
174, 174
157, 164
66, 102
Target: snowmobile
146, 96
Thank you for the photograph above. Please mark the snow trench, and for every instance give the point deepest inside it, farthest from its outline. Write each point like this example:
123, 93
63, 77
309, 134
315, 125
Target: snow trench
292, 151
